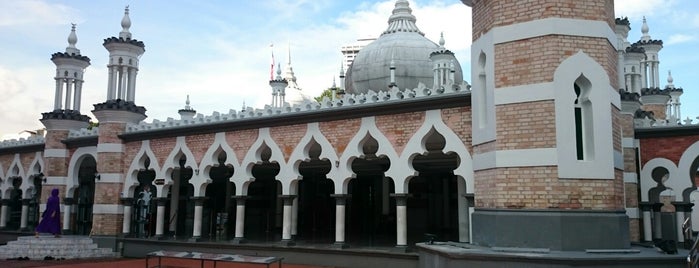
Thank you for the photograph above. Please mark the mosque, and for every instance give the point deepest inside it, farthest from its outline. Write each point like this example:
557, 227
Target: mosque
564, 127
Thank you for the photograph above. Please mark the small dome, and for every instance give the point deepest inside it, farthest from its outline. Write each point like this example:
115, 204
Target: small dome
403, 43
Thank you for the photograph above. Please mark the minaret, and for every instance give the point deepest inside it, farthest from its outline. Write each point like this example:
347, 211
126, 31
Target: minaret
114, 114
187, 113
278, 85
651, 69
442, 65
674, 103
549, 160
70, 68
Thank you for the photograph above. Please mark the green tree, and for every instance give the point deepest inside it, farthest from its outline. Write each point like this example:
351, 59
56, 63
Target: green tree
326, 93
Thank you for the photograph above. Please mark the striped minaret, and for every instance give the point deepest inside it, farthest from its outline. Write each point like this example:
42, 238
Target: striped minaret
546, 133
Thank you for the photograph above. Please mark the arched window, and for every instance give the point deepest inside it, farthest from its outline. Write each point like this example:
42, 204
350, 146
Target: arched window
584, 135
482, 89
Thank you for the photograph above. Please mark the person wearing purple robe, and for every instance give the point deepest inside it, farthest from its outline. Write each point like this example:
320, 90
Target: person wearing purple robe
51, 218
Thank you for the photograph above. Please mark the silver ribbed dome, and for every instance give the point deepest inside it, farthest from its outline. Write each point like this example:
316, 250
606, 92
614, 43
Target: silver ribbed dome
409, 49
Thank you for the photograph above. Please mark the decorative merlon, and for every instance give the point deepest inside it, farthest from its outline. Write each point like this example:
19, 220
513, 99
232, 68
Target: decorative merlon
34, 140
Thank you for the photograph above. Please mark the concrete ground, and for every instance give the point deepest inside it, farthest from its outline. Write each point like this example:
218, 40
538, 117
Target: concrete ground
127, 263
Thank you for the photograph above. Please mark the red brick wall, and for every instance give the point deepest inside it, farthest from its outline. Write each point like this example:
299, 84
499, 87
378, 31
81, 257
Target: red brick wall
340, 132
241, 141
526, 125
671, 148
199, 144
288, 137
399, 128
459, 120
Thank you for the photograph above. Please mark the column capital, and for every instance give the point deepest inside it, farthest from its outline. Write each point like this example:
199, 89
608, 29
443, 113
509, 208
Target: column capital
683, 206
239, 197
161, 201
199, 200
288, 199
68, 200
401, 199
656, 206
341, 199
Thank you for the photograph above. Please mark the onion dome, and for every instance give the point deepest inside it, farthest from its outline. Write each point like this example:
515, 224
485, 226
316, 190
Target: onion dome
403, 43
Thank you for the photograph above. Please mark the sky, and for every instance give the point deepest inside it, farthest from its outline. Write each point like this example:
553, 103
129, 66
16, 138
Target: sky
218, 51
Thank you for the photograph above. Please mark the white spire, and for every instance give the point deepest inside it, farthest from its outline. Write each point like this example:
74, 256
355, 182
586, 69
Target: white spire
670, 80
186, 106
441, 40
72, 40
289, 74
644, 30
125, 25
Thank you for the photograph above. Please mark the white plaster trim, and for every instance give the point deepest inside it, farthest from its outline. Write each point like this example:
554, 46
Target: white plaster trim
614, 97
534, 92
483, 117
107, 209
55, 180
72, 178
56, 153
647, 181
618, 160
110, 177
628, 142
110, 148
516, 158
632, 213
554, 26
138, 162
630, 177
210, 160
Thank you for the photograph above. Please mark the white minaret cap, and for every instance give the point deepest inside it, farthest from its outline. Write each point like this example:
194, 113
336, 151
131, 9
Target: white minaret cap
441, 40
72, 40
644, 30
670, 80
125, 25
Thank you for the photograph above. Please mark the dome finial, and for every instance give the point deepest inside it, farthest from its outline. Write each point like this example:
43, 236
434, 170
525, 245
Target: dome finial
125, 25
670, 80
186, 106
441, 40
644, 30
72, 40
402, 19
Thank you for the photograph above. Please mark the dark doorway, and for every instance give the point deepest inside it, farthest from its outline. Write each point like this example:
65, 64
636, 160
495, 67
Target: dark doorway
180, 220
15, 205
144, 209
316, 208
218, 220
85, 196
263, 208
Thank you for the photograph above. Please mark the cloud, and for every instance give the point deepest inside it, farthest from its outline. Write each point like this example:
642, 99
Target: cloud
13, 13
680, 38
635, 10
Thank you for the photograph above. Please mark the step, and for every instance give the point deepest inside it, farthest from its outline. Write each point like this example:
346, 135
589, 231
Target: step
67, 247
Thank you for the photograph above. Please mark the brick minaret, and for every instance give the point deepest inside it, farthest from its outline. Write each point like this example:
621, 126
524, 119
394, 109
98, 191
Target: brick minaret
546, 135
113, 115
70, 67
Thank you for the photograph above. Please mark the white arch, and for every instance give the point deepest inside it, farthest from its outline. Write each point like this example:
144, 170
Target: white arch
688, 157
354, 150
211, 159
137, 164
16, 170
173, 161
254, 156
77, 157
647, 181
301, 152
36, 167
567, 73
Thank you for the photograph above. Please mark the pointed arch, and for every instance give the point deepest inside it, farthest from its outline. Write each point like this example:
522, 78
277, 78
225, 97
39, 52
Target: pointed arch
16, 170
138, 164
210, 160
173, 161
35, 168
354, 150
301, 152
254, 156
647, 181
684, 168
73, 167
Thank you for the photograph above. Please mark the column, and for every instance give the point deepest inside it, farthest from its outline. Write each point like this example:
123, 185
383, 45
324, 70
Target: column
294, 218
67, 204
69, 91
340, 202
78, 94
59, 94
647, 221
127, 203
286, 227
198, 211
657, 219
110, 84
3, 213
131, 91
644, 76
160, 217
680, 208
25, 213
239, 219
401, 221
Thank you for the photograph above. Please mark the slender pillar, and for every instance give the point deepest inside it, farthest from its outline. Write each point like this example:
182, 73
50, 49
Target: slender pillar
340, 202
294, 218
239, 219
131, 91
160, 221
3, 213
286, 227
647, 221
198, 212
401, 221
25, 213
111, 89
68, 203
59, 94
127, 203
69, 91
657, 226
78, 94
